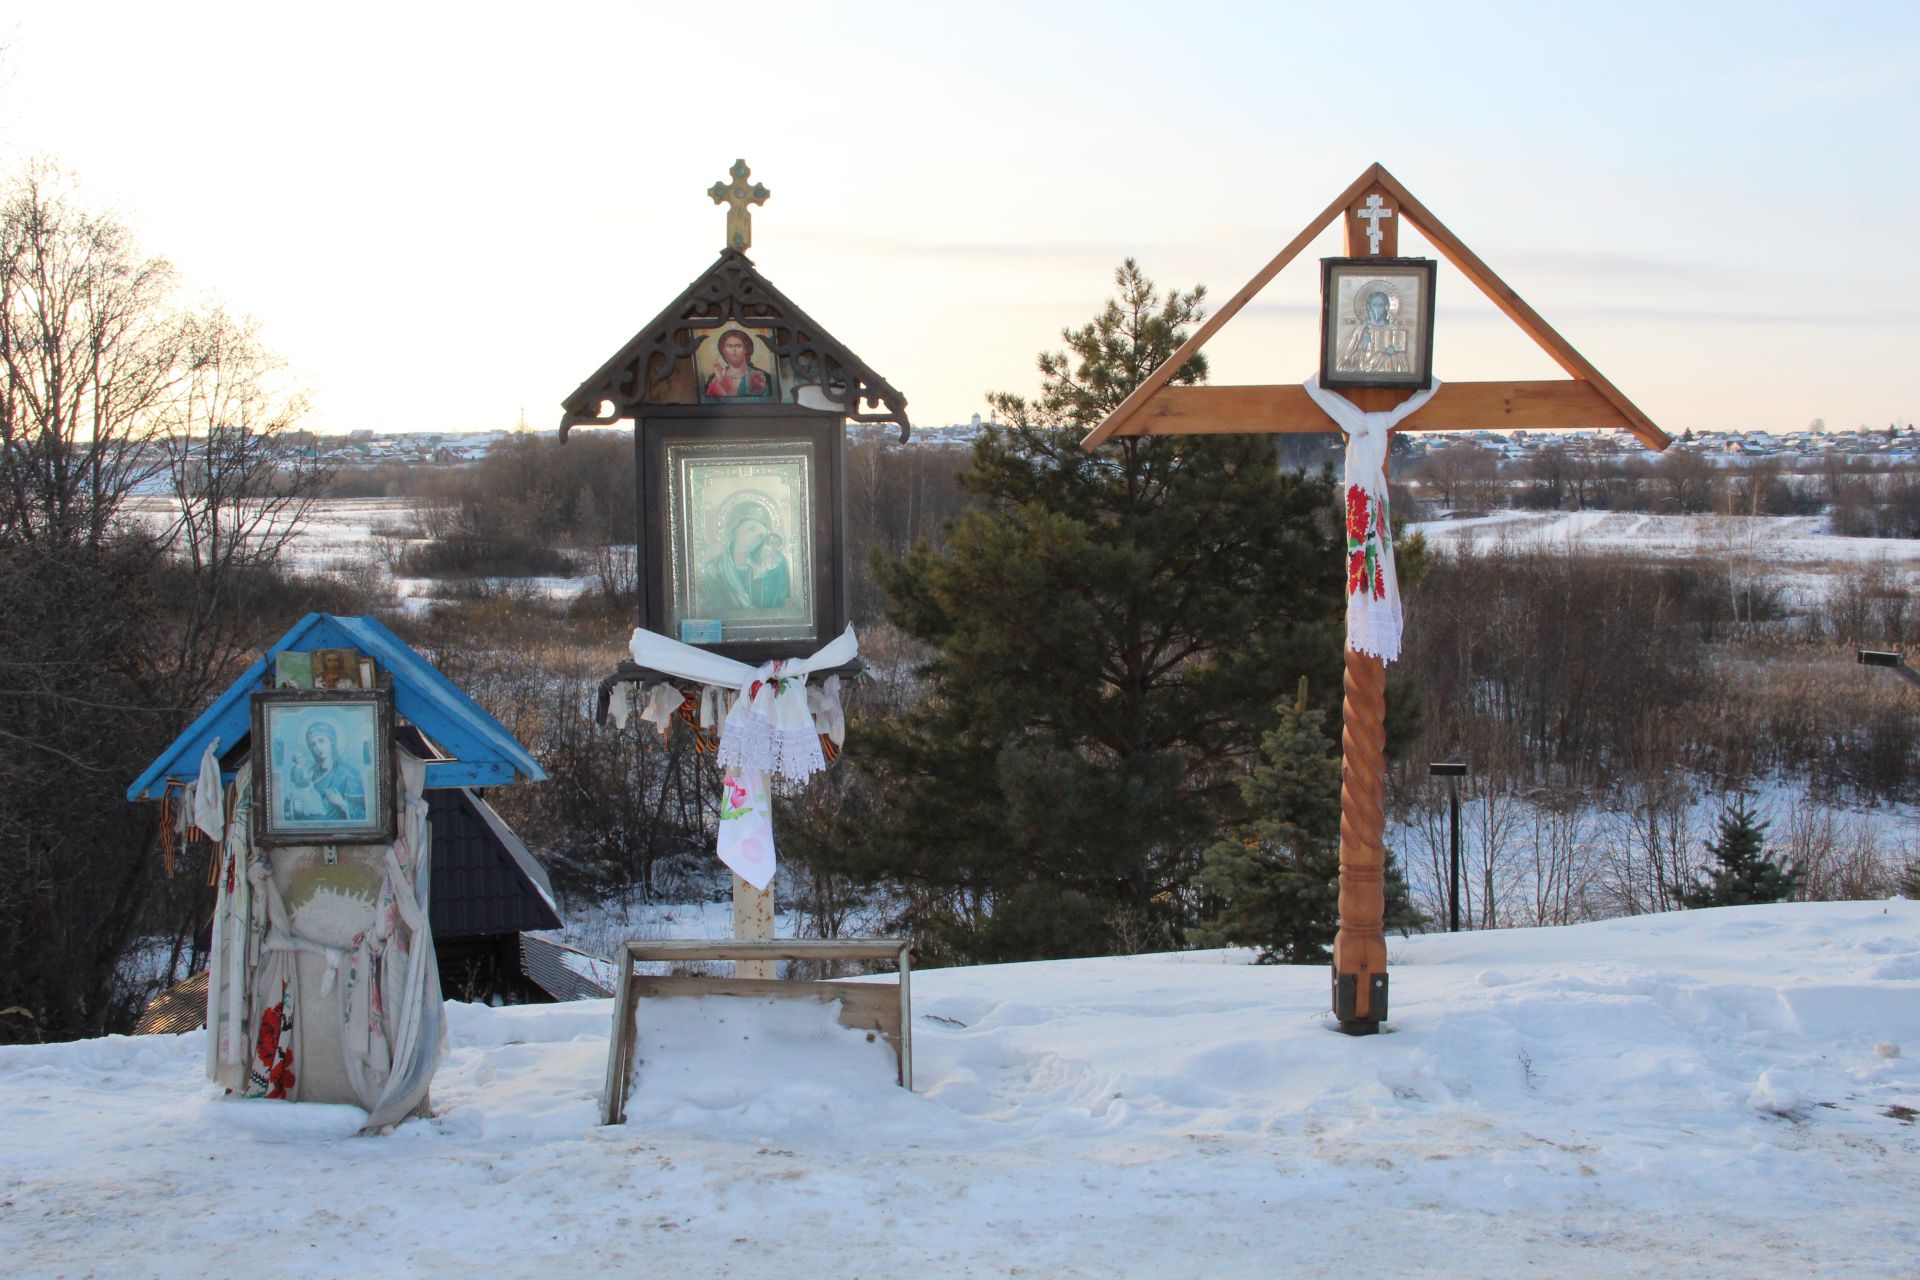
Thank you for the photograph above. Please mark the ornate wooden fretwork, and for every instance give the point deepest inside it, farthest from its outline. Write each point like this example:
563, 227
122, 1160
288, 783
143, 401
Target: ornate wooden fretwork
644, 371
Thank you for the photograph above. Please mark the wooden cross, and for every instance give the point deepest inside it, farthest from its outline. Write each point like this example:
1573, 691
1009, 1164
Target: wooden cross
737, 197
1585, 401
1371, 213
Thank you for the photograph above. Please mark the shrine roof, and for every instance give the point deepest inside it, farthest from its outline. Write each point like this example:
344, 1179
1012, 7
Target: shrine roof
731, 290
479, 750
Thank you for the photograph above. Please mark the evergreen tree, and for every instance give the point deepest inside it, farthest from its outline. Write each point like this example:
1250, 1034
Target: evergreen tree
1909, 885
1110, 631
1274, 881
1744, 874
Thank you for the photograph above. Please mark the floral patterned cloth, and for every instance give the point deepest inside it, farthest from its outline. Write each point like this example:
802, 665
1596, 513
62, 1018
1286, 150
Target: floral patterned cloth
1374, 615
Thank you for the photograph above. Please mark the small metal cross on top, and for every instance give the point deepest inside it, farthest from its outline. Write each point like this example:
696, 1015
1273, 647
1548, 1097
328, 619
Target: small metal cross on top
1371, 213
737, 197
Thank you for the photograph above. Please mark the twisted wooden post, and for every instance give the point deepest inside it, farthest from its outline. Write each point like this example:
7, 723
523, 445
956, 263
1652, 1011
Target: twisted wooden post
1360, 947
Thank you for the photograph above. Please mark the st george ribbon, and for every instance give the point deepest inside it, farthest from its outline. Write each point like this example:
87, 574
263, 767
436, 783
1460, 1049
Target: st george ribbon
1373, 590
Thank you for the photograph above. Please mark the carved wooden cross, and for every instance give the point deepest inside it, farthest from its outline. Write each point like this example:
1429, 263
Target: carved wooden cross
737, 197
1587, 400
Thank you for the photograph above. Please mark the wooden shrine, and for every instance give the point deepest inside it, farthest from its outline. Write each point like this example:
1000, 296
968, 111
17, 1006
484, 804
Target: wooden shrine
1372, 210
739, 402
732, 381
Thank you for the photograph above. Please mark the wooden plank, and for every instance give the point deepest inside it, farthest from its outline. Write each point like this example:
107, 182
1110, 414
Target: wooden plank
1554, 404
864, 1006
769, 949
613, 1098
1516, 309
905, 1043
1191, 347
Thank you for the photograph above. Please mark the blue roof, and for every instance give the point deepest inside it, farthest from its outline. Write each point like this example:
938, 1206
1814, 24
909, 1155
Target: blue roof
484, 753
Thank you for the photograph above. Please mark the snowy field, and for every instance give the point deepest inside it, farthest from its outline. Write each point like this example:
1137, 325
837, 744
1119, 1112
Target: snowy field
347, 537
1717, 1093
1778, 542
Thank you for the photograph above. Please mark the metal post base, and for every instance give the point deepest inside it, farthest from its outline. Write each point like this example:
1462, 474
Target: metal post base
1346, 1000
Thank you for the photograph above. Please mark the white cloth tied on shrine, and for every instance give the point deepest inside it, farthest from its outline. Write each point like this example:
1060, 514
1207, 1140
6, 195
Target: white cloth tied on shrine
771, 727
209, 796
1374, 615
395, 1017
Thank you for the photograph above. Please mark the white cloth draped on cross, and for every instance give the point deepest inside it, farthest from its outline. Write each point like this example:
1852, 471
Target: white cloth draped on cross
771, 725
1373, 590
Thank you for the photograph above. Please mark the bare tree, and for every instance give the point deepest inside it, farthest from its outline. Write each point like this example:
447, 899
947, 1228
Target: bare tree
91, 355
108, 642
241, 491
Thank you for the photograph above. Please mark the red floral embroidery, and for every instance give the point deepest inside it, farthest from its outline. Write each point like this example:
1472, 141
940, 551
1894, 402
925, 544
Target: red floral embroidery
274, 1049
1359, 517
269, 1036
1356, 572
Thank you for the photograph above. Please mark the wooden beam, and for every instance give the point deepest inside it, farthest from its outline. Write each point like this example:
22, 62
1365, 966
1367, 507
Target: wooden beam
1516, 309
1191, 347
1626, 414
1555, 404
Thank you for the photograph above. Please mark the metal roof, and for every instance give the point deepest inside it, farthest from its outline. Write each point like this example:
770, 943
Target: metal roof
563, 972
483, 752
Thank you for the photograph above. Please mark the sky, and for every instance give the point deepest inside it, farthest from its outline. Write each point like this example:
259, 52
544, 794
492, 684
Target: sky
445, 215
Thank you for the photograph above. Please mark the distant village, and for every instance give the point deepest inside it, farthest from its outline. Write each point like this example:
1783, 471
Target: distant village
1895, 441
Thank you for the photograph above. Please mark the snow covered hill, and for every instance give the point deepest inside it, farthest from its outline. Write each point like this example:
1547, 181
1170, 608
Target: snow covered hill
1716, 1093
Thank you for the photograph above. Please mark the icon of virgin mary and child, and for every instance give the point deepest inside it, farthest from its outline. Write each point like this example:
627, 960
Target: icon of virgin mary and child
750, 571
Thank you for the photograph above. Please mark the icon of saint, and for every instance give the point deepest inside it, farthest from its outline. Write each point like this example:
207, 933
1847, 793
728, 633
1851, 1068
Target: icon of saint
1381, 341
734, 376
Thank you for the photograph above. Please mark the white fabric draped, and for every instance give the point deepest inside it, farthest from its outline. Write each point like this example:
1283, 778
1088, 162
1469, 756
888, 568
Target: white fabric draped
395, 1023
229, 1037
1374, 615
392, 1019
770, 724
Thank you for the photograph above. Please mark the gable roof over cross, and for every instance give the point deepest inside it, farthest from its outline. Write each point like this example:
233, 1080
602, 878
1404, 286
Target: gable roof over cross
1585, 399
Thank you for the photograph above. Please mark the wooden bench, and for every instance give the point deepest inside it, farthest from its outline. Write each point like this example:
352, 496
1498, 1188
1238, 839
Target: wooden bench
880, 1007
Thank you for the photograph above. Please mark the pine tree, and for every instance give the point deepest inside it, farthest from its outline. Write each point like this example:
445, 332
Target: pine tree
1273, 882
1909, 885
1110, 631
1744, 874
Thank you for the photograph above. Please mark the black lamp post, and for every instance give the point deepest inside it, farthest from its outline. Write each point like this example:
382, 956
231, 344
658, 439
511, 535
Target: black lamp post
1452, 771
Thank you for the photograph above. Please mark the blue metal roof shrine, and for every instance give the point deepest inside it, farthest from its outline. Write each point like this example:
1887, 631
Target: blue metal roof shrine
483, 753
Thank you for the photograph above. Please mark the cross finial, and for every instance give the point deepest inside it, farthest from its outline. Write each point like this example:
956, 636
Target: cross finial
1374, 211
737, 195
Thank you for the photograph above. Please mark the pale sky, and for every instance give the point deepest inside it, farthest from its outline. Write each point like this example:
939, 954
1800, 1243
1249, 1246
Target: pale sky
443, 213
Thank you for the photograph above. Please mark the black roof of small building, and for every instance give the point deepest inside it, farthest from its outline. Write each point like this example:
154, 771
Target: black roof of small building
484, 881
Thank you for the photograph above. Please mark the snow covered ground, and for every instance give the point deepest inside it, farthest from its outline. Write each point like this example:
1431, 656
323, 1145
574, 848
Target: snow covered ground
1718, 1093
1795, 545
347, 537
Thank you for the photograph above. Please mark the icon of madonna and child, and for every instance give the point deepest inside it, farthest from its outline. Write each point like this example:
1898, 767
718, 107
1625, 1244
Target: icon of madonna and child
750, 571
